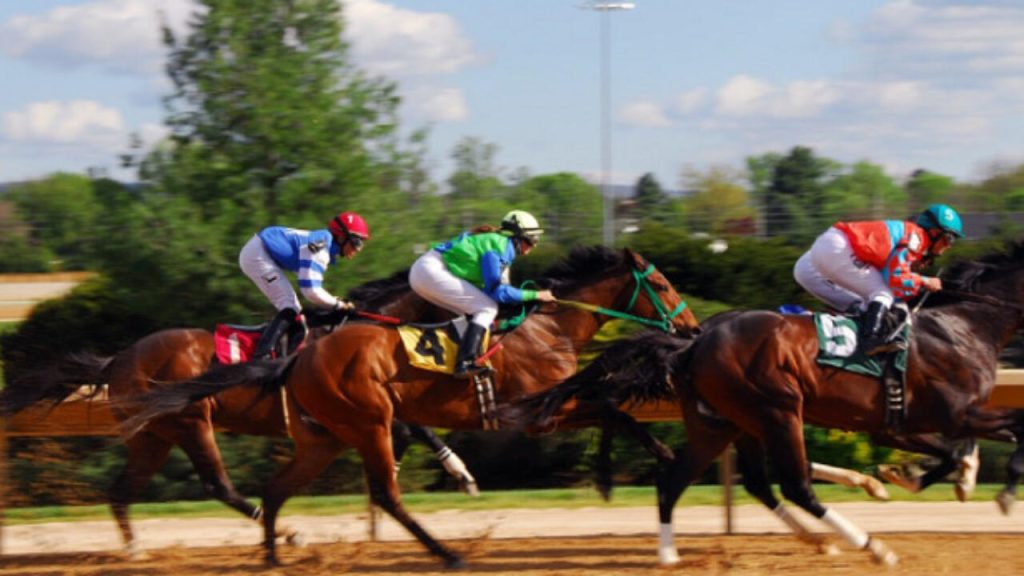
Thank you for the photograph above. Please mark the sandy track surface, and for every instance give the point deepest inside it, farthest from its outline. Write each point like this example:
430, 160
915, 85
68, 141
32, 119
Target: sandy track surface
930, 538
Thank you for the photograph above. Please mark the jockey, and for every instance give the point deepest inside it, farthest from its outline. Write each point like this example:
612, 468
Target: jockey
867, 266
469, 273
266, 256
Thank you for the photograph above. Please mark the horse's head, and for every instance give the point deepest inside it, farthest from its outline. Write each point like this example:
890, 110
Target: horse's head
654, 297
625, 284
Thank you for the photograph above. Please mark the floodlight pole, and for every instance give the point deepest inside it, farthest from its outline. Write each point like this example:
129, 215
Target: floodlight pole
606, 8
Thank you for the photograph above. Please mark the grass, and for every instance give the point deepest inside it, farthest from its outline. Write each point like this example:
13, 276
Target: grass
433, 501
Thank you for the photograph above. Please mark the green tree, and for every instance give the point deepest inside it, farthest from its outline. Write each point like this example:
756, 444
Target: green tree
796, 193
759, 175
865, 192
924, 188
60, 212
568, 206
652, 203
718, 200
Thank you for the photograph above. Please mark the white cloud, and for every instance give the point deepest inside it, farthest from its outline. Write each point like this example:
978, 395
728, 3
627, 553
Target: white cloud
690, 101
644, 114
81, 122
435, 104
121, 36
396, 41
922, 38
744, 95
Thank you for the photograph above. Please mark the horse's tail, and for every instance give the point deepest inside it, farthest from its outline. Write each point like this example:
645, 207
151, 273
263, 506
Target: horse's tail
628, 372
56, 382
172, 397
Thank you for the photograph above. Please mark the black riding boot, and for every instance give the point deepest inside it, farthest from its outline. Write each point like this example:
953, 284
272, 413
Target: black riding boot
874, 331
278, 326
469, 349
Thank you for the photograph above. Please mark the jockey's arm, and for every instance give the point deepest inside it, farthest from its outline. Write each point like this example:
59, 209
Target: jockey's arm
312, 266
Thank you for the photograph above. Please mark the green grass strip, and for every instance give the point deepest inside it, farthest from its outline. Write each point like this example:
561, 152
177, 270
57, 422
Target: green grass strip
629, 496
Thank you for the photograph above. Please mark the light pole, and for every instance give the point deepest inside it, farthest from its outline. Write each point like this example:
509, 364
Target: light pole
606, 8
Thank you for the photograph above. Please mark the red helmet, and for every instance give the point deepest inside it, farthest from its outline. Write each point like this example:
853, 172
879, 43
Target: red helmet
349, 223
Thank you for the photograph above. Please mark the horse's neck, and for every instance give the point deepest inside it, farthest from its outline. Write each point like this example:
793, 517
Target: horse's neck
978, 326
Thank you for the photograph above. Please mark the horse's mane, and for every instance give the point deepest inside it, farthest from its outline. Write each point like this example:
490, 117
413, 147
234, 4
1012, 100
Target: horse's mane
382, 290
580, 267
966, 275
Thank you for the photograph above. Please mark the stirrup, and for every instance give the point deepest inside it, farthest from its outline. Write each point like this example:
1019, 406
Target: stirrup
468, 369
874, 349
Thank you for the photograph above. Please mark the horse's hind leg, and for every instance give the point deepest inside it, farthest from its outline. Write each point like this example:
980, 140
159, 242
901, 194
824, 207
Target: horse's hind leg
1014, 471
374, 445
705, 442
784, 439
147, 452
313, 453
752, 466
454, 465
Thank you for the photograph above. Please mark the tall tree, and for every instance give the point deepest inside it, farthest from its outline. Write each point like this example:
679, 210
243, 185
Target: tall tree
718, 202
270, 123
864, 191
796, 193
924, 188
652, 203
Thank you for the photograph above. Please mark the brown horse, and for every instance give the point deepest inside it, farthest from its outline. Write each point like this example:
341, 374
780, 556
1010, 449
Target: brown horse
183, 353
752, 377
357, 380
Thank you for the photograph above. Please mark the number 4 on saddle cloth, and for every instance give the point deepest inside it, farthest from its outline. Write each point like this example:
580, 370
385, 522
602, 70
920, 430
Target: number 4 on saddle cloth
435, 347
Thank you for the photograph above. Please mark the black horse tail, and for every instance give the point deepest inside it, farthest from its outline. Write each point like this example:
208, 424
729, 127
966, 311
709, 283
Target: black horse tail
629, 372
172, 397
56, 382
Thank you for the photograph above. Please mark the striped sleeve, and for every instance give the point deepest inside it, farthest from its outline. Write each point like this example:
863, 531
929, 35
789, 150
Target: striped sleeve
312, 266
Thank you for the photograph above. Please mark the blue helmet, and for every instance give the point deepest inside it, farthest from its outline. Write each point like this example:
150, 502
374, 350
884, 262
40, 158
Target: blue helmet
942, 217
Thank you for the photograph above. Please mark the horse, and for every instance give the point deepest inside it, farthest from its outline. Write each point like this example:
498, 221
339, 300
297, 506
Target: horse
355, 381
751, 377
182, 353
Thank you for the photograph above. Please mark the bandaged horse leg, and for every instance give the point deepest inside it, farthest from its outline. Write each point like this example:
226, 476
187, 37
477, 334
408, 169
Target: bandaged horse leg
402, 433
969, 463
752, 466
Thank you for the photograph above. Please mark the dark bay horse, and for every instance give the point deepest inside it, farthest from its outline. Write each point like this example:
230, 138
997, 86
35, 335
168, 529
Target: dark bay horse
355, 381
179, 354
752, 375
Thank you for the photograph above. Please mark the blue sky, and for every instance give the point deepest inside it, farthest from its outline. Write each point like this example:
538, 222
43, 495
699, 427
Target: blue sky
935, 84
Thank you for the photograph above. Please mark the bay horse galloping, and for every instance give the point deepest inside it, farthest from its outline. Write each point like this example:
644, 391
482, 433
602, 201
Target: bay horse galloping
751, 377
355, 381
182, 353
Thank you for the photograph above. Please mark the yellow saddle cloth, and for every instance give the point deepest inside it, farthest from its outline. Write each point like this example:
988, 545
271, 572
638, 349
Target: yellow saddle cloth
435, 347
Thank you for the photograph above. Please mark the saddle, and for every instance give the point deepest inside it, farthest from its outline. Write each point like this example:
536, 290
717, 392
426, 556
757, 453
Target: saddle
235, 343
839, 347
435, 347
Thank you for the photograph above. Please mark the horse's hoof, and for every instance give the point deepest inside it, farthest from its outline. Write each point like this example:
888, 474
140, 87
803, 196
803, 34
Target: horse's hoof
668, 556
882, 554
470, 488
136, 554
295, 539
605, 491
454, 563
1005, 500
829, 549
876, 489
893, 475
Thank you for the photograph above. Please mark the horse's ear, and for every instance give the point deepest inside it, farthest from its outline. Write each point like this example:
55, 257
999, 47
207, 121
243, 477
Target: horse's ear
634, 257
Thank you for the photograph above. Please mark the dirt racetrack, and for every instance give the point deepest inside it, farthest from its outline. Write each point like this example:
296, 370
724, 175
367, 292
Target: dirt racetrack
929, 538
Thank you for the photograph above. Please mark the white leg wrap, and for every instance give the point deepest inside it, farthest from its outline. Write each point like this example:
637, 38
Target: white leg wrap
452, 463
852, 534
834, 475
789, 520
667, 553
968, 479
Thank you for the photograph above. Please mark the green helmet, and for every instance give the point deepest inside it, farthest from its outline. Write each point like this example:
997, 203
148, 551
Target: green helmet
942, 217
523, 225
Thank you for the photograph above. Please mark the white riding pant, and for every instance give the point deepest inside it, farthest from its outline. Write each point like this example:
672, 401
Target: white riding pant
832, 272
429, 277
267, 275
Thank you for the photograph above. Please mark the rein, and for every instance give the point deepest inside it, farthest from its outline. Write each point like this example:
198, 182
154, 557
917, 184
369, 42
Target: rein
664, 324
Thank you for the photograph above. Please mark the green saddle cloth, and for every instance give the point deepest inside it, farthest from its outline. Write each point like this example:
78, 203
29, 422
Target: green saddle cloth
838, 346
